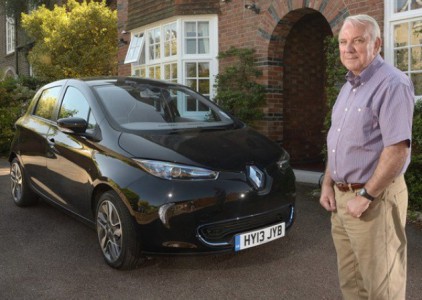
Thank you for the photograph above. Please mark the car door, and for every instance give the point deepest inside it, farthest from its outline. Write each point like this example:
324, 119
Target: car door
71, 168
34, 147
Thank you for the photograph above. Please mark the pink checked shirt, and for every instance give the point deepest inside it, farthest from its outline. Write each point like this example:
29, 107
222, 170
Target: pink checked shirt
373, 110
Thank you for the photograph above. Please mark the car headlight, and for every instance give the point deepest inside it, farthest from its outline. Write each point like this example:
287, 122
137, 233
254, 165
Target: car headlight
171, 171
284, 162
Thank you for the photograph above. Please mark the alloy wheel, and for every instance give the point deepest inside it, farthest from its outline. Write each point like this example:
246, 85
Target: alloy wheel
109, 229
16, 182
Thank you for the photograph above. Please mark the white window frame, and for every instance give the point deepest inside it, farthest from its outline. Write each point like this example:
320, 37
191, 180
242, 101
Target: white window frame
390, 20
140, 68
135, 48
10, 35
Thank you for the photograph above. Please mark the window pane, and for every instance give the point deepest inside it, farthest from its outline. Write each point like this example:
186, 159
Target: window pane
190, 69
203, 29
416, 34
401, 59
170, 46
204, 86
174, 72
417, 82
203, 46
190, 104
190, 29
167, 72
400, 35
157, 51
416, 59
136, 47
416, 4
140, 72
203, 70
170, 72
191, 83
401, 5
191, 46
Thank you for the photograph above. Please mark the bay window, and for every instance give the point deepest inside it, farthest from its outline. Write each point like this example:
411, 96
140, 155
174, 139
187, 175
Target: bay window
180, 50
403, 38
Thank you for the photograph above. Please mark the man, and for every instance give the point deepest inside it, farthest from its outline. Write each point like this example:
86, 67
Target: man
368, 152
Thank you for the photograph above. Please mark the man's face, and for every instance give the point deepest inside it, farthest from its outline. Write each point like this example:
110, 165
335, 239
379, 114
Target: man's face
357, 50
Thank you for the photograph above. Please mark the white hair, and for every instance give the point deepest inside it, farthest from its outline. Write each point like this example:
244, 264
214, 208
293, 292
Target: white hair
373, 29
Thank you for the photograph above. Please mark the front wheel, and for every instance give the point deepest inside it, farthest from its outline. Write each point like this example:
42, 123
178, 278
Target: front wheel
116, 233
22, 194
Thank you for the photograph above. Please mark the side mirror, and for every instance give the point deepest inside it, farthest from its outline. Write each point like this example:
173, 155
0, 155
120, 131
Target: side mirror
77, 125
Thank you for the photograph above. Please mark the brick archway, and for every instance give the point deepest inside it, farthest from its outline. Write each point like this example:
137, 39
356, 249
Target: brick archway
304, 105
292, 34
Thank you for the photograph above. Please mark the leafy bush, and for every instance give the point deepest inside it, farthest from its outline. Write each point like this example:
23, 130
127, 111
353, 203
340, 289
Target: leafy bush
237, 91
335, 73
14, 97
414, 172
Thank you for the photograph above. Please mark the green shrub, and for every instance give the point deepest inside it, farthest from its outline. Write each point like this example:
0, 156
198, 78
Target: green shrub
237, 91
414, 172
14, 97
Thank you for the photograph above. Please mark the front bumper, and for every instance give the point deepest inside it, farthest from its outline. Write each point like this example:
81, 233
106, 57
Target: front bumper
204, 216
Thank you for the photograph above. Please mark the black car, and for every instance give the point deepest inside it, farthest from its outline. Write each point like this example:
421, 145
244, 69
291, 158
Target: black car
155, 167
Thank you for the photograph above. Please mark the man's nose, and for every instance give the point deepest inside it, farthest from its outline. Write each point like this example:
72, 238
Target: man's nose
350, 47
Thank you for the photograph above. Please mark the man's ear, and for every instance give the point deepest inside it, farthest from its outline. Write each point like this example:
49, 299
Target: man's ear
377, 46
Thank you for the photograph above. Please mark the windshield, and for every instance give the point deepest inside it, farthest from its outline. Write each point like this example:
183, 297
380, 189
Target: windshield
144, 106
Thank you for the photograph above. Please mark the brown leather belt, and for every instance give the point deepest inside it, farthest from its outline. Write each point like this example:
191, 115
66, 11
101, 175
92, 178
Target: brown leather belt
349, 187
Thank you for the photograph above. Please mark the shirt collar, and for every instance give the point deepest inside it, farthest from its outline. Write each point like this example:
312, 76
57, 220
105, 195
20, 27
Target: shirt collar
366, 74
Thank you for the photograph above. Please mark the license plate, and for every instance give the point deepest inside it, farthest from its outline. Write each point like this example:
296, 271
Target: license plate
259, 237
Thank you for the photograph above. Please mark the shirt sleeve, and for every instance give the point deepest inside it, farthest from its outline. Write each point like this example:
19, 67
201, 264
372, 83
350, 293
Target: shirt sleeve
396, 112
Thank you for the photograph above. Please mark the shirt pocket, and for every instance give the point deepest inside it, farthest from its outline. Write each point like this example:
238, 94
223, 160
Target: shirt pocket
359, 124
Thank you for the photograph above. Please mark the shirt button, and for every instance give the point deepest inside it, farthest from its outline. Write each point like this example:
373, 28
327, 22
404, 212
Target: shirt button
338, 129
334, 150
345, 109
359, 109
335, 172
354, 90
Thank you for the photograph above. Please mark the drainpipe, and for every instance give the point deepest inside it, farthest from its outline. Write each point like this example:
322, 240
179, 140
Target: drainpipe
16, 46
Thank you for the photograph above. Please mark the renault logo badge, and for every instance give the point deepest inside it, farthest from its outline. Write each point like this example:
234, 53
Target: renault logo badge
256, 176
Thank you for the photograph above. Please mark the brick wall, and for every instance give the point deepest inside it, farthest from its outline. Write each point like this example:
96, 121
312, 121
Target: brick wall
143, 12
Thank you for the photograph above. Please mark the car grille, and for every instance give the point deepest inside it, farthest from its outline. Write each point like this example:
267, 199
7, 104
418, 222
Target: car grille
224, 231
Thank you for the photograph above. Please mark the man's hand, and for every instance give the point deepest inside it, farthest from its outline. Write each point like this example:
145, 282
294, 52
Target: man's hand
357, 206
327, 199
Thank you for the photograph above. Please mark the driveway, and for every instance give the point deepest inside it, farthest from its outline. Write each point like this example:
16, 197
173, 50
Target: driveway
45, 254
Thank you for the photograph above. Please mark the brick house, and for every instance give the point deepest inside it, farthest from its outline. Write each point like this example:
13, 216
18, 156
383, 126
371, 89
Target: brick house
179, 40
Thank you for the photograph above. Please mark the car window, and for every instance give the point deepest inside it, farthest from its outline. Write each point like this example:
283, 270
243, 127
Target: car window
145, 106
75, 105
47, 102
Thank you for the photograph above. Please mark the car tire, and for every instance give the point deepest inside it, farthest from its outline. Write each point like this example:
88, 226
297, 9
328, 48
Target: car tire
116, 233
22, 194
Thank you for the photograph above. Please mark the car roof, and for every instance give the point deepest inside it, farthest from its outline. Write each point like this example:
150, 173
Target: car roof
124, 79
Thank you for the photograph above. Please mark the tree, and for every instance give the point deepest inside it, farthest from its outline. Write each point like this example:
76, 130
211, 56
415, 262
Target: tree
73, 40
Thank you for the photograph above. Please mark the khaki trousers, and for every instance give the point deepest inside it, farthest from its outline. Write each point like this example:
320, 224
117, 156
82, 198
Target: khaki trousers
372, 250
